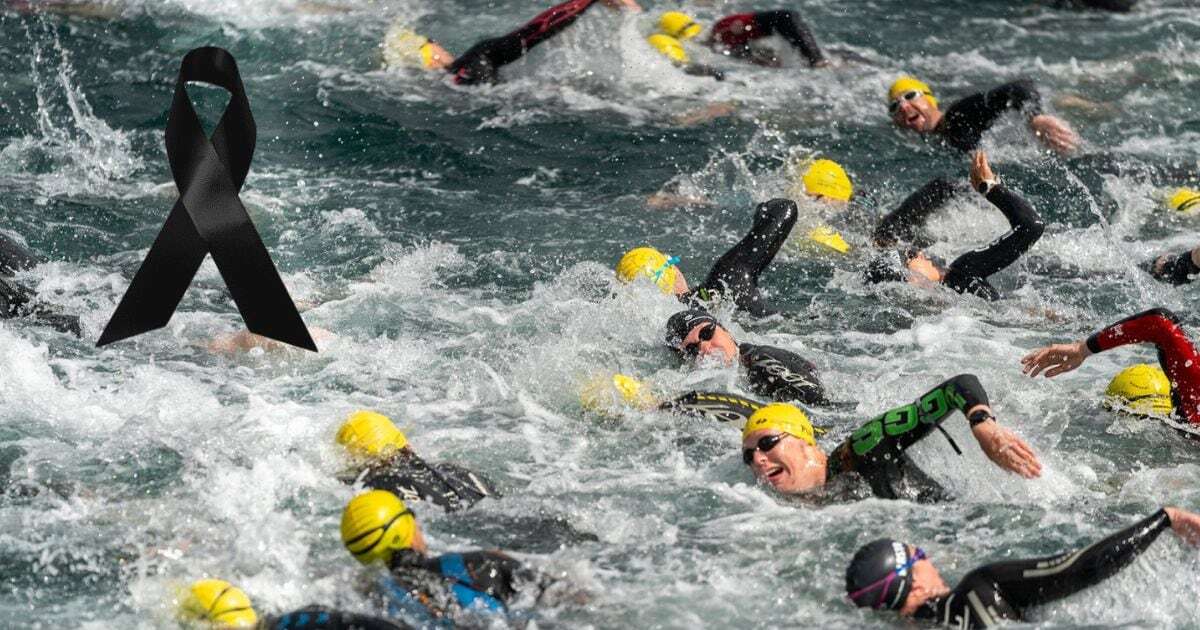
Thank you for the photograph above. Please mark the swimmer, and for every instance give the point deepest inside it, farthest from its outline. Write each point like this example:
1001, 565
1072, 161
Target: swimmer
385, 461
773, 372
912, 105
378, 529
1176, 355
1177, 269
482, 62
733, 35
734, 276
606, 394
969, 272
219, 605
19, 300
779, 447
887, 574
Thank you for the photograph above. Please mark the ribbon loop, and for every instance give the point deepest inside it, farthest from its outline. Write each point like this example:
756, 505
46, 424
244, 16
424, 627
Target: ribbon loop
208, 218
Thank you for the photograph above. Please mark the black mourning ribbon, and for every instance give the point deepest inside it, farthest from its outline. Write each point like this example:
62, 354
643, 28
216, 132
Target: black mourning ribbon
209, 217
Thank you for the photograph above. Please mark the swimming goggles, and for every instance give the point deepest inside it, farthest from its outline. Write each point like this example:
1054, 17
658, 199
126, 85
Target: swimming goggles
883, 583
765, 444
706, 334
671, 262
907, 96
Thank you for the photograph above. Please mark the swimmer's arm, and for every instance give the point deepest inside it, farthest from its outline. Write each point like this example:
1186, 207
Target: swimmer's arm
901, 224
1037, 581
901, 427
1016, 96
623, 4
701, 70
1157, 326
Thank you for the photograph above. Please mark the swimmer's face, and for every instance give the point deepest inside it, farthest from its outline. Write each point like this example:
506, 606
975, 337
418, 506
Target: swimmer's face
927, 582
916, 113
782, 466
922, 270
709, 341
440, 59
681, 285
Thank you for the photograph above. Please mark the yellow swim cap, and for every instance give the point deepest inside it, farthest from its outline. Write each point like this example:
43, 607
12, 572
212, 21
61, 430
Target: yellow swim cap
828, 179
783, 417
601, 393
376, 523
908, 84
669, 47
828, 237
404, 47
649, 262
1184, 199
1142, 389
679, 25
219, 603
370, 434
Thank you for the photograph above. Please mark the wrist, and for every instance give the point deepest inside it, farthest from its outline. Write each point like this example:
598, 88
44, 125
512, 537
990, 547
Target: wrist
986, 186
979, 417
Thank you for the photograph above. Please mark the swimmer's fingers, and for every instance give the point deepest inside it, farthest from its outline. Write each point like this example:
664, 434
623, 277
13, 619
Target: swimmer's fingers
1025, 461
1185, 524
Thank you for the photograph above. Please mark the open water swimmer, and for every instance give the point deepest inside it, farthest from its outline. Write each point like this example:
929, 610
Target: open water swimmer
913, 106
779, 448
482, 62
892, 575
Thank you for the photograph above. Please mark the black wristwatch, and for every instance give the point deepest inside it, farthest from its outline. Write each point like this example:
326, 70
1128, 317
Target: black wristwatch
987, 185
979, 417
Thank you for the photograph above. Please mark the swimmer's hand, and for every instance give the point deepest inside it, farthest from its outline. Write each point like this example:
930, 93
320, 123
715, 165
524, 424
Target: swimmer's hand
1185, 524
1055, 133
627, 4
1006, 449
980, 170
1055, 359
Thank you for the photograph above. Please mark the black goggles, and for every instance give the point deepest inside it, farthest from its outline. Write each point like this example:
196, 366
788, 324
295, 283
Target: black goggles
706, 334
764, 444
907, 96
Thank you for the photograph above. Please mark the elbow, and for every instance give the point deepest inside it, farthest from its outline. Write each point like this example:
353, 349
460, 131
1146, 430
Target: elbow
1164, 313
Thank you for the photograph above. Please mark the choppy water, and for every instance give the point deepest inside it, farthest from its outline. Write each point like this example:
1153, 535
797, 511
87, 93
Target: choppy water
460, 241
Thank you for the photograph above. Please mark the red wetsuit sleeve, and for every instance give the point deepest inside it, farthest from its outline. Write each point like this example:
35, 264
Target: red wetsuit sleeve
734, 31
1176, 353
549, 22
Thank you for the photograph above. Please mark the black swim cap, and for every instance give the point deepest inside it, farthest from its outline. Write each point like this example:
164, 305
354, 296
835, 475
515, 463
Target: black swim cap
683, 322
872, 579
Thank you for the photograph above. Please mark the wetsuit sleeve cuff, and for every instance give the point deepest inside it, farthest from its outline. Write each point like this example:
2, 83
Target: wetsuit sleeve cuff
1093, 343
995, 190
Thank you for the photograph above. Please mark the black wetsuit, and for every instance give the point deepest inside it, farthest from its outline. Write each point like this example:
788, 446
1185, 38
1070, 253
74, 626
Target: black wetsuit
483, 61
713, 406
1178, 269
969, 272
966, 119
905, 222
435, 590
735, 274
1004, 590
876, 450
18, 300
1119, 6
781, 375
411, 478
321, 618
732, 35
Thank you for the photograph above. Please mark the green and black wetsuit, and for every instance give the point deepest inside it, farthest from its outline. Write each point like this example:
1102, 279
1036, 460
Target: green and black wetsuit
1003, 591
876, 450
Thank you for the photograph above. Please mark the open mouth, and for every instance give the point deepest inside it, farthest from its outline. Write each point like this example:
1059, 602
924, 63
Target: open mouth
774, 474
912, 118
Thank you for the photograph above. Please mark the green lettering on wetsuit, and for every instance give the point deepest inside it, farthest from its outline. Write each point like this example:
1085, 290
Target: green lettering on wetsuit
932, 408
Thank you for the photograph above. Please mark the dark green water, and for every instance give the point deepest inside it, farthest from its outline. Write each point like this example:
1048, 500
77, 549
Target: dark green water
460, 243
